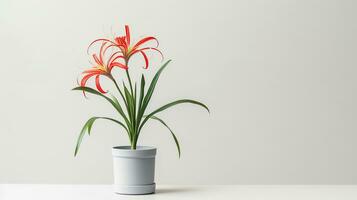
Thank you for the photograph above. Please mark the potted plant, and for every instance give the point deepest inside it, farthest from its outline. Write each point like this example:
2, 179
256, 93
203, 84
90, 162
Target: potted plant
134, 166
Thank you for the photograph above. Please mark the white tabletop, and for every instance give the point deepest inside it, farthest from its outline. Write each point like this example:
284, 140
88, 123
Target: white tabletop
237, 192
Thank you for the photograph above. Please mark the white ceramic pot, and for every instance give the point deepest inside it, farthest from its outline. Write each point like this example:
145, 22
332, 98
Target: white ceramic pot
134, 170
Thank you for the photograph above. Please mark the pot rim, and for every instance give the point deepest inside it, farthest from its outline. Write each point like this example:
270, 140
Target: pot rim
128, 148
140, 152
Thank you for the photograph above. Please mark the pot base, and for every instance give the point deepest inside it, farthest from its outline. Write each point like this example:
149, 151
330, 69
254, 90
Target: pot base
135, 189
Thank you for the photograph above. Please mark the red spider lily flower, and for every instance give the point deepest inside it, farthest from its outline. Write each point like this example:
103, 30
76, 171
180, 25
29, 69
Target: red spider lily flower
126, 50
101, 68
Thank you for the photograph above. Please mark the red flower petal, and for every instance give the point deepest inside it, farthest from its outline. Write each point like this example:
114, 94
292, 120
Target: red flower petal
144, 40
117, 58
114, 54
127, 33
121, 42
92, 71
100, 89
148, 48
85, 79
117, 64
146, 59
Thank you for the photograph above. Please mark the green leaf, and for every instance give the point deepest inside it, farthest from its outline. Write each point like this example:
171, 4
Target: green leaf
135, 92
150, 91
130, 110
88, 127
116, 121
80, 137
142, 90
90, 124
141, 97
153, 85
115, 102
172, 133
130, 100
134, 102
120, 92
170, 105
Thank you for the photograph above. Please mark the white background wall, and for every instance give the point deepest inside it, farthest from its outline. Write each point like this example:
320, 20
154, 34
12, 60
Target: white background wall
279, 77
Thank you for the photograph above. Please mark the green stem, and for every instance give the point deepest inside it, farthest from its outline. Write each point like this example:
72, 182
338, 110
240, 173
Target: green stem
133, 143
131, 136
135, 139
116, 85
129, 79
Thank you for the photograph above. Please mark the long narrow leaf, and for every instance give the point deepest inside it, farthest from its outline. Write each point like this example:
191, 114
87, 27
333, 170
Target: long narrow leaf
172, 133
142, 90
113, 120
134, 105
88, 127
114, 103
170, 105
130, 111
149, 93
134, 93
80, 137
141, 97
129, 99
153, 85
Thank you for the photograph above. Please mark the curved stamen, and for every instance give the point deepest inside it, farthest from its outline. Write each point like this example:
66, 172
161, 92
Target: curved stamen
97, 40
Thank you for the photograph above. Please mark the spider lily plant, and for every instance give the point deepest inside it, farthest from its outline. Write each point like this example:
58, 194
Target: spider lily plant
132, 103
